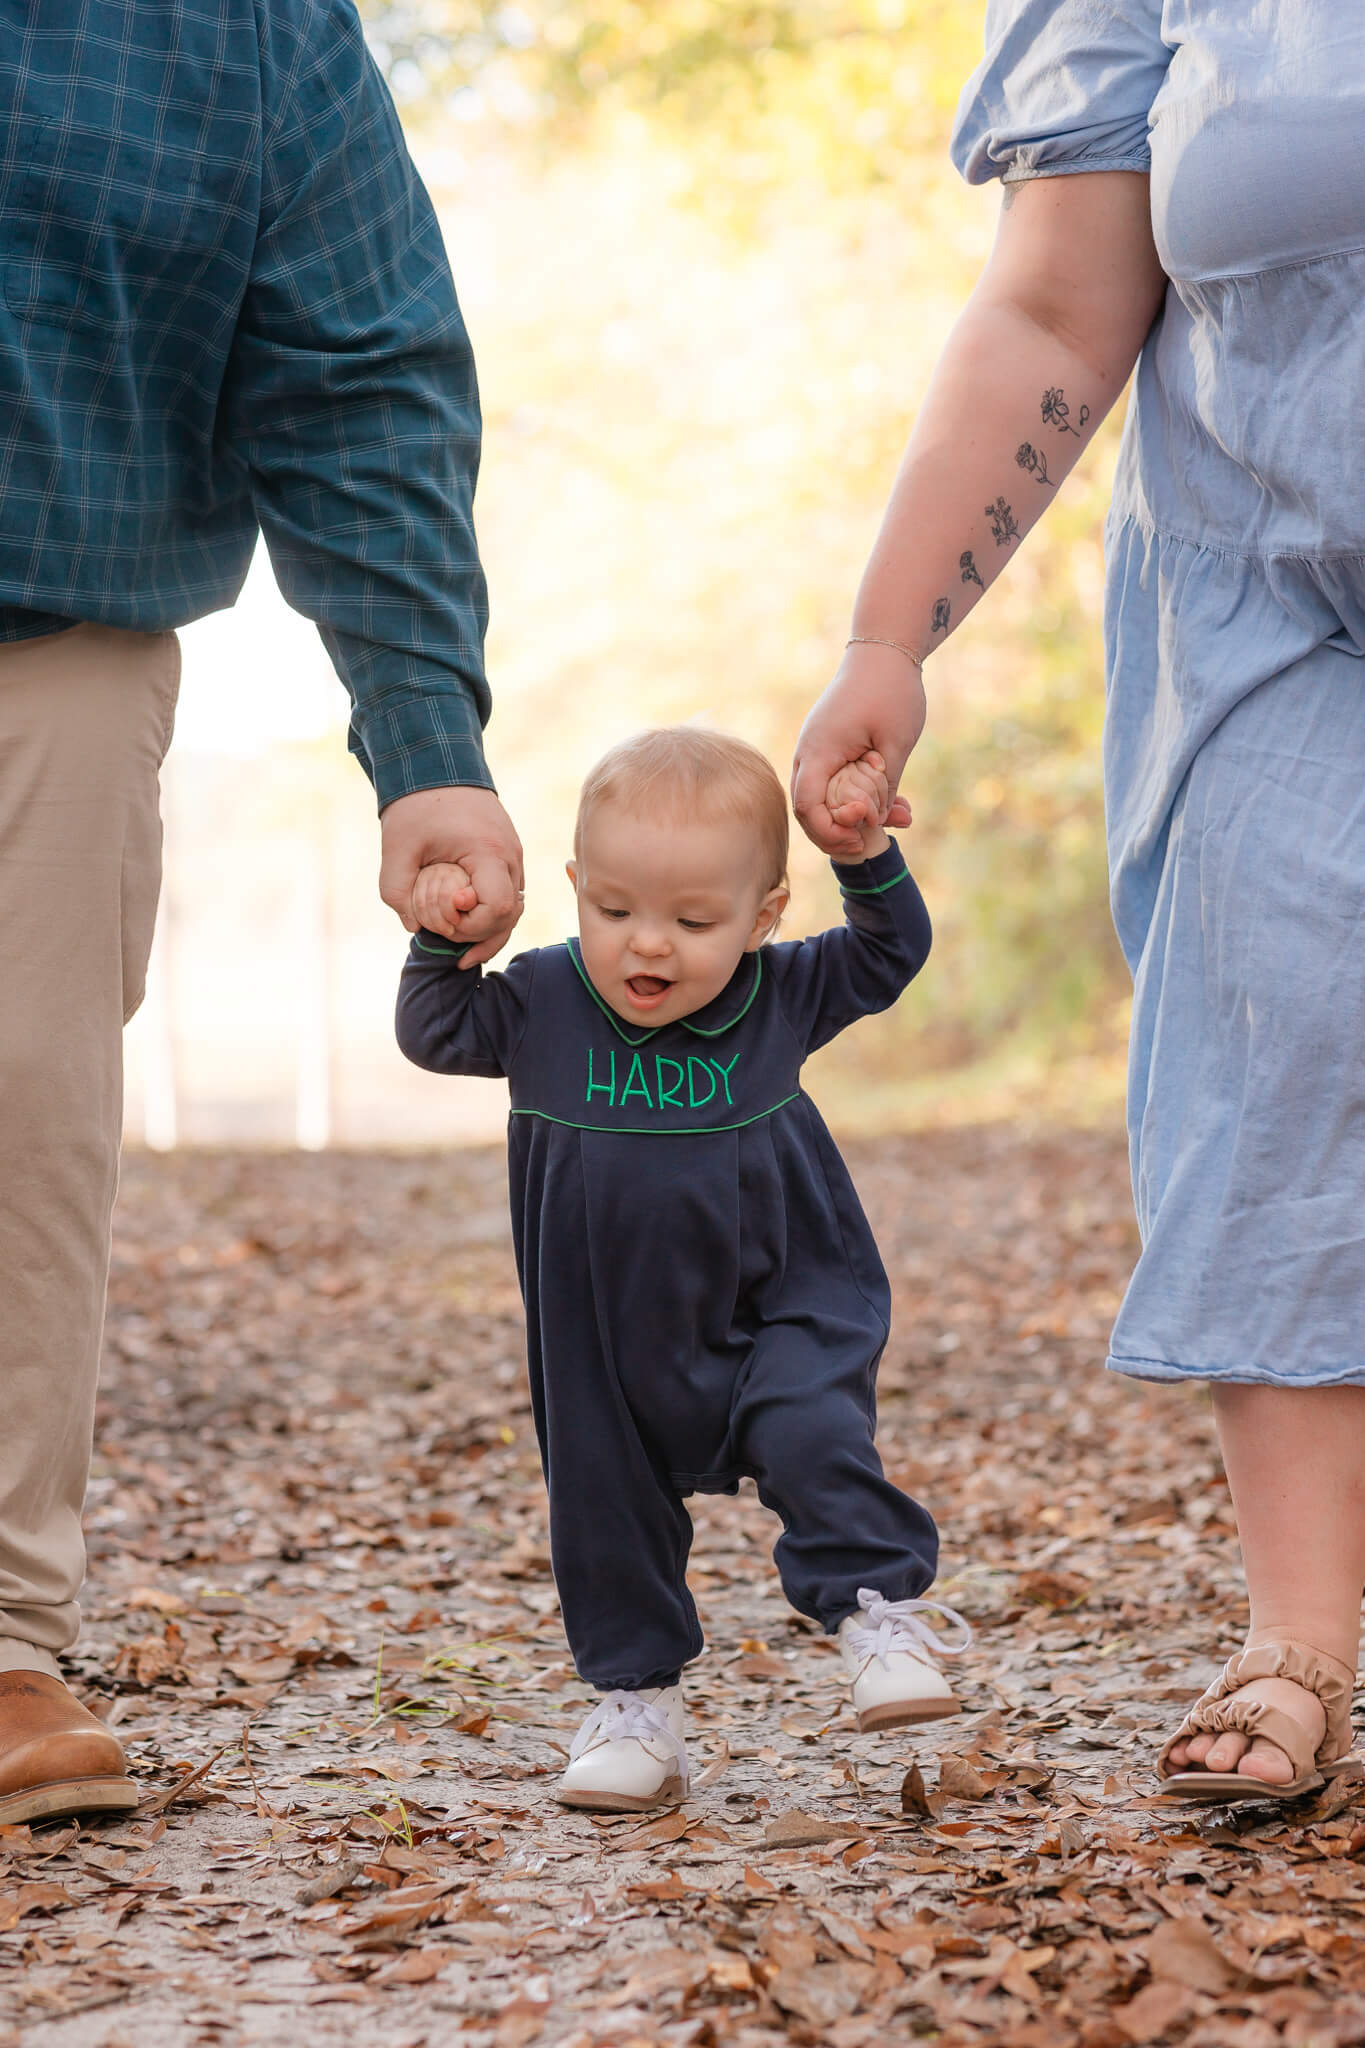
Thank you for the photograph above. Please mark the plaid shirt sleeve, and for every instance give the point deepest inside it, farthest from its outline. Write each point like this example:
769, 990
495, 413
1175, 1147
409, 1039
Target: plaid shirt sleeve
351, 398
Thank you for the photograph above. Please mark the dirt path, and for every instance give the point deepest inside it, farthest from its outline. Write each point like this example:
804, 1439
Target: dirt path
320, 1616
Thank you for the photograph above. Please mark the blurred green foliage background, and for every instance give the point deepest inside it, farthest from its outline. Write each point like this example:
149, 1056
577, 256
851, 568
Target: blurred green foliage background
709, 251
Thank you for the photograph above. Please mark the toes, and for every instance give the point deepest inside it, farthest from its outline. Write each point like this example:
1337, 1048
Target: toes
1264, 1760
1257, 1758
1225, 1752
1189, 1755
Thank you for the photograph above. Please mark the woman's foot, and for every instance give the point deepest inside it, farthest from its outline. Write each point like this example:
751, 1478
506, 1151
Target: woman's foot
628, 1756
1255, 1756
1278, 1715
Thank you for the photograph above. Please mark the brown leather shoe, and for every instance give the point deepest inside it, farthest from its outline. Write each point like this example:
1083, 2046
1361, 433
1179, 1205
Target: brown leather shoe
55, 1757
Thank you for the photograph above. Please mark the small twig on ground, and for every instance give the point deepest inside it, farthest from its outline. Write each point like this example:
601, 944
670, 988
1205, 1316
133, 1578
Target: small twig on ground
377, 1712
159, 1801
263, 1806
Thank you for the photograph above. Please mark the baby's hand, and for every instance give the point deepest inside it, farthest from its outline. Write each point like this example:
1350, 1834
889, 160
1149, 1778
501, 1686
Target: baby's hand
859, 797
441, 896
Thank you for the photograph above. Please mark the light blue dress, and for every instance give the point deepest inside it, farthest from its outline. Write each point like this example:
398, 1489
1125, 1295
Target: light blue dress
1234, 635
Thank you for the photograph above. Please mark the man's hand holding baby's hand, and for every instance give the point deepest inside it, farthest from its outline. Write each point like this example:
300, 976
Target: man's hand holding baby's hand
442, 896
458, 826
858, 798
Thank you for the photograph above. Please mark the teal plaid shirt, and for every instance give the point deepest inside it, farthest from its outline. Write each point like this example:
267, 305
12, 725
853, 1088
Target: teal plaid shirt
225, 307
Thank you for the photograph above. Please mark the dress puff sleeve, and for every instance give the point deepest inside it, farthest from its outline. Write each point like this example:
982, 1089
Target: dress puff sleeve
1066, 85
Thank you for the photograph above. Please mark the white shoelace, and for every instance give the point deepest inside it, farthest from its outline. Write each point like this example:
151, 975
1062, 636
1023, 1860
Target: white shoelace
625, 1717
899, 1625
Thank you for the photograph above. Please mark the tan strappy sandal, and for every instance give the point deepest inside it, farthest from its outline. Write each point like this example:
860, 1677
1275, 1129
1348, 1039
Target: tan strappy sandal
1225, 1709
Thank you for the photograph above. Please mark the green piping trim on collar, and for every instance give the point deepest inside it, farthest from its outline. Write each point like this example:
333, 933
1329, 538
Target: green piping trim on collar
650, 1131
878, 888
607, 1011
446, 952
653, 1030
702, 1031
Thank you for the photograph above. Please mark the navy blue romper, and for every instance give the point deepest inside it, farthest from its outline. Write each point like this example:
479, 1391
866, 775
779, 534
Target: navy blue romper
704, 1298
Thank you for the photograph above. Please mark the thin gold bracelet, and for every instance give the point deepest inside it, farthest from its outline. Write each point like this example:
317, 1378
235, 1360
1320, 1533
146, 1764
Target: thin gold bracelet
873, 640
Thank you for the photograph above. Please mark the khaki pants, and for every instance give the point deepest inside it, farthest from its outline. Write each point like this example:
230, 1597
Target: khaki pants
85, 720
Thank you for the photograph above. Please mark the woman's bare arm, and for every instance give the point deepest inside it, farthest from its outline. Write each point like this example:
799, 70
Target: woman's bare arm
1043, 348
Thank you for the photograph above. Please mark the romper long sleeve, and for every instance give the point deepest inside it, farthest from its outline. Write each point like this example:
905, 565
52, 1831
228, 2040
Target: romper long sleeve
461, 1021
704, 1298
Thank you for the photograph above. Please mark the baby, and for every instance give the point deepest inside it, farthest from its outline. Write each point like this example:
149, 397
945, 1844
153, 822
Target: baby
704, 1299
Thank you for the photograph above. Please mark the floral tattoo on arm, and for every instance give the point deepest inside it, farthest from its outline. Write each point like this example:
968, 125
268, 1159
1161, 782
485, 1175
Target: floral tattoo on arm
970, 573
943, 612
1057, 413
1034, 461
1004, 525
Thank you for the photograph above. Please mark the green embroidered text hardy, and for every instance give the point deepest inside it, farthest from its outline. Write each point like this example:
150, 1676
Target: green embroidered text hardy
677, 1084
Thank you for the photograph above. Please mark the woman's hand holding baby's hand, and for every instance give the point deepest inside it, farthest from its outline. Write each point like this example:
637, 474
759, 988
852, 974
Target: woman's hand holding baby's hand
874, 705
857, 794
858, 798
442, 896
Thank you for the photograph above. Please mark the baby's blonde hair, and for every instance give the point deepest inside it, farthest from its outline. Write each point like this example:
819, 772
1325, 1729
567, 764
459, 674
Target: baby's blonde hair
694, 772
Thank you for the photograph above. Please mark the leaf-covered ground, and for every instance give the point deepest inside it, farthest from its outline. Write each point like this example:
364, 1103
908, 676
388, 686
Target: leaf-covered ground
320, 1617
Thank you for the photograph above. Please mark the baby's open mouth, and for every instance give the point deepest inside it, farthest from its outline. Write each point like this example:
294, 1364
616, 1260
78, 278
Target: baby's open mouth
645, 987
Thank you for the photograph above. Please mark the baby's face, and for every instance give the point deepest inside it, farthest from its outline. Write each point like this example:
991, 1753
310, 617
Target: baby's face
667, 908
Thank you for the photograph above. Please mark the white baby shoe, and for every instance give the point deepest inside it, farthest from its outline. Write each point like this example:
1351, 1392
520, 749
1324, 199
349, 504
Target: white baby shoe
628, 1756
888, 1650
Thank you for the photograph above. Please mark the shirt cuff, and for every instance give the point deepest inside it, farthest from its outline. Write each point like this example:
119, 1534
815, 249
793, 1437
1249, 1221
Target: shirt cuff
432, 741
1021, 172
432, 946
871, 877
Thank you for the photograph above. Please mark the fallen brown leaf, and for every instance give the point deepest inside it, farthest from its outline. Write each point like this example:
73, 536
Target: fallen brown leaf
1184, 1952
796, 1830
417, 1966
1158, 2007
914, 1798
521, 2022
160, 1602
958, 1779
713, 1771
822, 1993
31, 1898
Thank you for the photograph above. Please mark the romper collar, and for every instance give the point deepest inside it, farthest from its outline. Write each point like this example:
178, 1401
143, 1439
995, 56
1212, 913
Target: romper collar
714, 1018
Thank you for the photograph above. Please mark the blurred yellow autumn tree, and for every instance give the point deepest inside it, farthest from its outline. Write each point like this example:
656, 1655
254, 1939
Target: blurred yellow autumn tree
784, 80
727, 252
